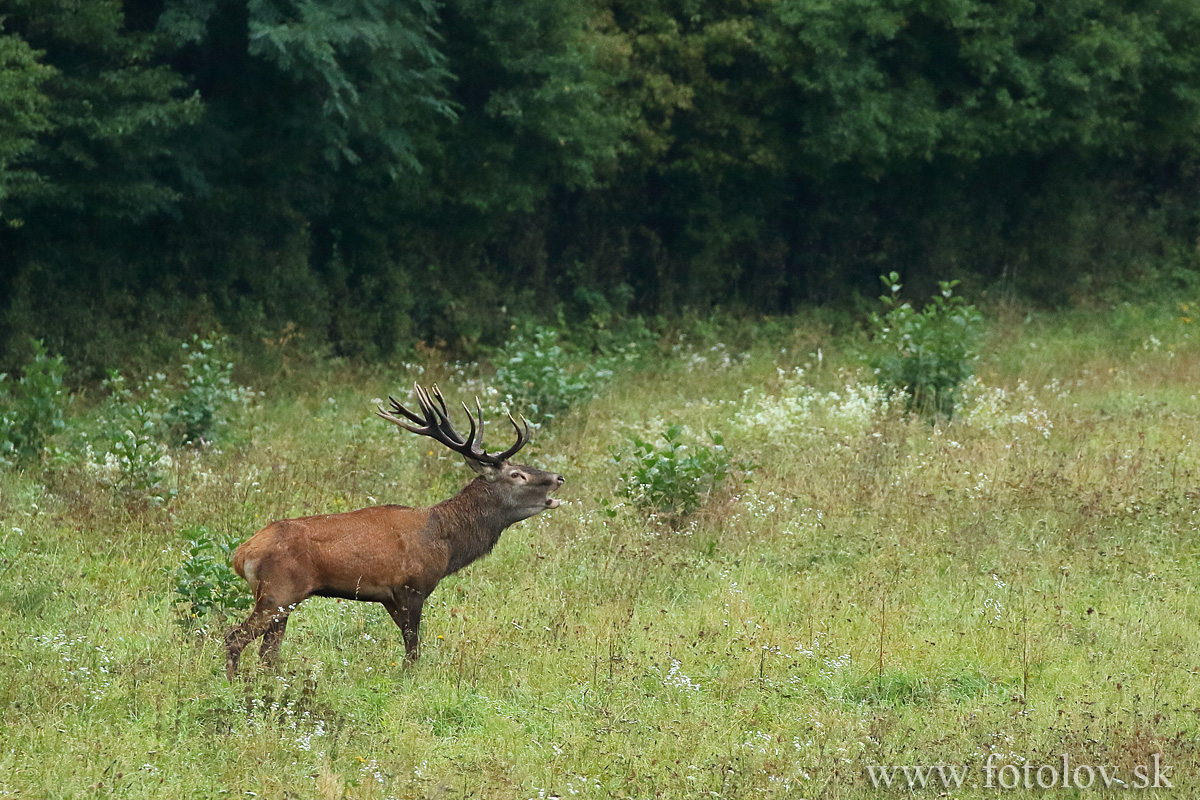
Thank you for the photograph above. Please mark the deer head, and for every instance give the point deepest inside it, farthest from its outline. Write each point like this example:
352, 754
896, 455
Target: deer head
519, 490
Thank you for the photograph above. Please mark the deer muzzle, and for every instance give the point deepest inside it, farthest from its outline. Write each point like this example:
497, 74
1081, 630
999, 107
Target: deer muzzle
554, 502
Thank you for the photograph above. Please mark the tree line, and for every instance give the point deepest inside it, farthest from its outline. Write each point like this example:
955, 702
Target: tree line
371, 173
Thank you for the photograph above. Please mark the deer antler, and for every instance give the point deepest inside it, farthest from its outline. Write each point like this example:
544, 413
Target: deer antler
435, 423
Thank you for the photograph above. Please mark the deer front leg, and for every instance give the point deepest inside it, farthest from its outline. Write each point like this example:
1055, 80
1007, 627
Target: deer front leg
406, 612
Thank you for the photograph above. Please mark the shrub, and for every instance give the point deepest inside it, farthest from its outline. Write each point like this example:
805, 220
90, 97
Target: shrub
139, 465
926, 354
132, 458
198, 412
136, 426
32, 410
539, 378
673, 478
605, 327
206, 587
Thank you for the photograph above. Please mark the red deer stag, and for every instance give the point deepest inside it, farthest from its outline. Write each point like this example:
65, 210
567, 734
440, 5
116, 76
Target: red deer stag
392, 555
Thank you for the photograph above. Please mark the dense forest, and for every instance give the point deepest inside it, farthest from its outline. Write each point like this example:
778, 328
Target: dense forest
372, 173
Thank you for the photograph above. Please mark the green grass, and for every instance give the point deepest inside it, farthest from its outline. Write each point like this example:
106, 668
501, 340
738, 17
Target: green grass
1020, 581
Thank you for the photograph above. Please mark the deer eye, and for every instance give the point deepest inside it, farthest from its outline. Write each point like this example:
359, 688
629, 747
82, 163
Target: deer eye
514, 475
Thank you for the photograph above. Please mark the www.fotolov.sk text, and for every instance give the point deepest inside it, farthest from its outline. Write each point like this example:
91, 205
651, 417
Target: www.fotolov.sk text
1059, 774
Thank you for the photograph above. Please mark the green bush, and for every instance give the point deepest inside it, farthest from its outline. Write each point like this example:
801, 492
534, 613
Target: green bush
136, 427
605, 326
541, 380
32, 410
926, 354
206, 587
134, 459
674, 477
206, 395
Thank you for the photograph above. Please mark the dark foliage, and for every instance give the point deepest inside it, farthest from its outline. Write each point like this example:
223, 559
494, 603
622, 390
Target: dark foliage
371, 173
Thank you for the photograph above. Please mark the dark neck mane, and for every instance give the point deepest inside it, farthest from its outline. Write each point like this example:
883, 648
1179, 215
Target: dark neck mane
470, 523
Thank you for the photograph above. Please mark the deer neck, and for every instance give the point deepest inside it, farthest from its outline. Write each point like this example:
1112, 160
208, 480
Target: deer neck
470, 523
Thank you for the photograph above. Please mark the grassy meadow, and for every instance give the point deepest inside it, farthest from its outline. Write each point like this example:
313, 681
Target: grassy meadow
864, 588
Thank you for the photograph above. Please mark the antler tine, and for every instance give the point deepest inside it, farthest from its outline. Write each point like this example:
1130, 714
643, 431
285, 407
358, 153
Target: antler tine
433, 419
398, 407
437, 395
427, 407
475, 444
396, 420
479, 411
402, 410
522, 439
441, 413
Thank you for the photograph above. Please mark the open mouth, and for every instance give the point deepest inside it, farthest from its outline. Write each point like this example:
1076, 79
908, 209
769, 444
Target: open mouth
554, 502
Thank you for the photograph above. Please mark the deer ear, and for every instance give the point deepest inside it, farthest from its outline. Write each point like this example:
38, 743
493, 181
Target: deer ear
487, 471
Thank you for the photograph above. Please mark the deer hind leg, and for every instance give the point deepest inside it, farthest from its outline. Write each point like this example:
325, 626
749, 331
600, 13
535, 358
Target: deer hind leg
272, 639
406, 612
268, 616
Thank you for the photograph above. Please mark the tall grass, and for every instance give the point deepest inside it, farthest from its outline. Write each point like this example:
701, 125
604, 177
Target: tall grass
1019, 581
